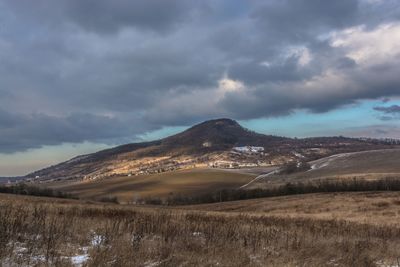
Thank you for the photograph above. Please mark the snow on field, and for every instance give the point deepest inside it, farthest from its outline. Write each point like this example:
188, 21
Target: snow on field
197, 233
79, 259
325, 162
384, 264
152, 263
97, 240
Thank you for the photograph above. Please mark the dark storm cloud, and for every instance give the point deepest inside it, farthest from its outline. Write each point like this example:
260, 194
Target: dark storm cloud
299, 20
110, 16
149, 64
21, 132
103, 16
256, 72
325, 93
345, 63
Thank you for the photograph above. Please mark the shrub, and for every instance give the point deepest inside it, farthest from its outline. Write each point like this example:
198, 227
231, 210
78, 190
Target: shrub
294, 166
109, 199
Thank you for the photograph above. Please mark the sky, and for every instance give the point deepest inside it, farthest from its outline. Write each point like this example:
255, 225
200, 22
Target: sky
77, 76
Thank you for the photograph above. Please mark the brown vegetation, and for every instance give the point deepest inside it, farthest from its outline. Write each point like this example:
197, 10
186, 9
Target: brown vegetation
309, 187
54, 233
130, 189
368, 164
378, 208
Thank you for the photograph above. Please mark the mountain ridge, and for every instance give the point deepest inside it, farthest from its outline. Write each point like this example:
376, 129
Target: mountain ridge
203, 144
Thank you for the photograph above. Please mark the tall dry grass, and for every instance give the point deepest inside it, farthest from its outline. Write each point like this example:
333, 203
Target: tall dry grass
54, 233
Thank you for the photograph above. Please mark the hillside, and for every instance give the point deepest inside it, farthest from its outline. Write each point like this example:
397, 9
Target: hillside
373, 164
221, 143
4, 180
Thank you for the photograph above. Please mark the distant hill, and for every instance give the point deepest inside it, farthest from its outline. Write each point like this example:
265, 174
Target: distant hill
4, 180
370, 165
210, 143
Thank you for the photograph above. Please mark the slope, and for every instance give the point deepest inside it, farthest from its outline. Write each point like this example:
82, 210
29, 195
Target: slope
201, 145
366, 164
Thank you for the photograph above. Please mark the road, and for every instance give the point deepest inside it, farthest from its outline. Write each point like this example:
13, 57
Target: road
260, 177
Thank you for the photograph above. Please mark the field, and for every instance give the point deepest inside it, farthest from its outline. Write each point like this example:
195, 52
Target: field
127, 189
43, 231
379, 208
368, 164
307, 229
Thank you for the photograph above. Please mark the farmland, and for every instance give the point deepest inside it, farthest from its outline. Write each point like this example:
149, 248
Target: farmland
127, 189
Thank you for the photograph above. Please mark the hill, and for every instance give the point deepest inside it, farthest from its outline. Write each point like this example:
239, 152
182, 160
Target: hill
221, 143
4, 180
372, 164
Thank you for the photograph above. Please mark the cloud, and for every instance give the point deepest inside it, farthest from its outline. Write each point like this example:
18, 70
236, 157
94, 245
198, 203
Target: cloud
358, 69
20, 132
105, 17
390, 113
301, 20
141, 65
394, 109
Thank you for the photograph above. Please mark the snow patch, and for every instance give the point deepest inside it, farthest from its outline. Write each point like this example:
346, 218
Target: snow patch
97, 240
152, 263
197, 233
79, 260
325, 162
385, 264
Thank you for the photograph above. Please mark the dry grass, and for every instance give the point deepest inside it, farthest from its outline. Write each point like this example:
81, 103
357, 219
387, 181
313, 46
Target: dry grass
127, 189
378, 208
42, 232
375, 164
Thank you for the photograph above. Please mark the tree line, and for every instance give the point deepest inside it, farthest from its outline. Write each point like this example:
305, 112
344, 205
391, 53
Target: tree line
24, 189
319, 186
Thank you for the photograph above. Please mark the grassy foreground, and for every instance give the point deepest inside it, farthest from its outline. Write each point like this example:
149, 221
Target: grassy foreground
44, 231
